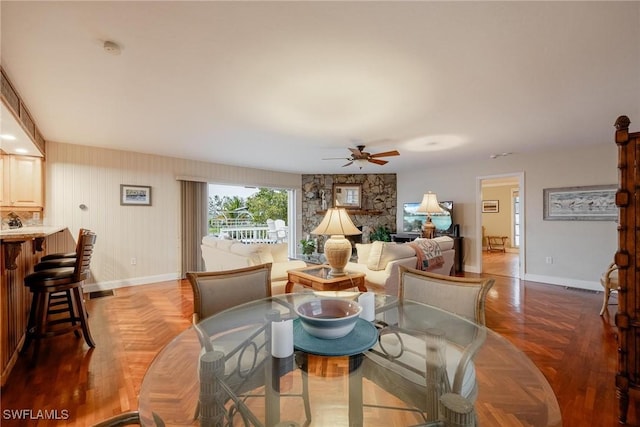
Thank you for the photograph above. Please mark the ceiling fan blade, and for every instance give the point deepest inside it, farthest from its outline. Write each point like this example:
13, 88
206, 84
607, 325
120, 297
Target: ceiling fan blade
336, 158
356, 152
348, 164
386, 154
378, 162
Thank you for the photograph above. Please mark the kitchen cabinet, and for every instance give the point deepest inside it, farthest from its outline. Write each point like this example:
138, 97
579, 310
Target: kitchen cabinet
21, 181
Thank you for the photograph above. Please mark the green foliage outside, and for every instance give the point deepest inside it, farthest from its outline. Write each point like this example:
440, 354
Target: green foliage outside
268, 203
254, 210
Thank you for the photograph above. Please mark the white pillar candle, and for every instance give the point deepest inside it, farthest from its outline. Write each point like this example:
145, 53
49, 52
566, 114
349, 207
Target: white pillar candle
368, 302
282, 338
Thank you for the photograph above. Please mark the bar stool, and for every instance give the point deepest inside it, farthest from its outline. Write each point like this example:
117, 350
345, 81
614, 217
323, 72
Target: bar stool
64, 256
66, 283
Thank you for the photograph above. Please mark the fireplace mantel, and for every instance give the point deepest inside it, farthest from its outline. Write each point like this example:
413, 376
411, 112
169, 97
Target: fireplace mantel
355, 212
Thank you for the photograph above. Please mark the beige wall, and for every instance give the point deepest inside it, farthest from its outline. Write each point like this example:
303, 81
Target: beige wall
91, 176
498, 223
581, 250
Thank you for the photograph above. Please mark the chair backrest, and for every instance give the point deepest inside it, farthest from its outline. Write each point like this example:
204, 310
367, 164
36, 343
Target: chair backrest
271, 224
610, 277
214, 291
460, 295
280, 224
84, 250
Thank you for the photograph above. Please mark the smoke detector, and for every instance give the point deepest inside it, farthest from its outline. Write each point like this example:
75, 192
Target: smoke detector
111, 48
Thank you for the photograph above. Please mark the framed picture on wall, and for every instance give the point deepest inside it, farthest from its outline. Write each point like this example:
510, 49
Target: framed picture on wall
135, 195
588, 203
490, 206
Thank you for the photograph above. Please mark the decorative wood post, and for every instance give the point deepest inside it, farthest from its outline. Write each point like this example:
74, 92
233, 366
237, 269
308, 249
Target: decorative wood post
627, 259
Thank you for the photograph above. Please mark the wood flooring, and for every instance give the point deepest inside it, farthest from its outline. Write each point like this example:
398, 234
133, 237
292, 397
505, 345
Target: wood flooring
558, 328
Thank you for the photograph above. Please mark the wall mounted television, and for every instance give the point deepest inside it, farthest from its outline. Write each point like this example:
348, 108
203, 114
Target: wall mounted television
412, 221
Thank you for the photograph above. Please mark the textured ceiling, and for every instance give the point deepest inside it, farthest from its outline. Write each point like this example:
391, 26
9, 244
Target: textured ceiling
282, 85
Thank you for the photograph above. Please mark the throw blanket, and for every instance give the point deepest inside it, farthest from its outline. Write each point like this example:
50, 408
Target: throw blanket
428, 253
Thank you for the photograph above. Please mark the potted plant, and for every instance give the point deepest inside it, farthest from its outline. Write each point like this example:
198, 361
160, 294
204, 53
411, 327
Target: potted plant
308, 246
381, 233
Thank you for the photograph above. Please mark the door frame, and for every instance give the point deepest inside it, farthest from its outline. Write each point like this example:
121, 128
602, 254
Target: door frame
521, 189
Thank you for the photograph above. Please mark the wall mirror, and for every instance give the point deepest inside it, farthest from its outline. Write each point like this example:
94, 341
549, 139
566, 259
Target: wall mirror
348, 196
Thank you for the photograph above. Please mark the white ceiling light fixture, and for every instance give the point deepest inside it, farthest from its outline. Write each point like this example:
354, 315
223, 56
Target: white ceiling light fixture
360, 163
111, 47
7, 137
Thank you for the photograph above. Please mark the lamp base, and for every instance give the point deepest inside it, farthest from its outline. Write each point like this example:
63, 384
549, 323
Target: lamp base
428, 229
337, 249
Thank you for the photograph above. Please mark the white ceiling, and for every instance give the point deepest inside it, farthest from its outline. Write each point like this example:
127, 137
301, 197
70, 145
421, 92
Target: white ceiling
281, 85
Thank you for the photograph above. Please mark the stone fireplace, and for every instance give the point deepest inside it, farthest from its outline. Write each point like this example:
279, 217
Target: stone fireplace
379, 203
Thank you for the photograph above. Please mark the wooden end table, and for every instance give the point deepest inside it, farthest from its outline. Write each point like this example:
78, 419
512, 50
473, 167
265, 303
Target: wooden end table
317, 277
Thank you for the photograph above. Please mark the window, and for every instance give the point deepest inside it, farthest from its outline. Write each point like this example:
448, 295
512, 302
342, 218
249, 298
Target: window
515, 200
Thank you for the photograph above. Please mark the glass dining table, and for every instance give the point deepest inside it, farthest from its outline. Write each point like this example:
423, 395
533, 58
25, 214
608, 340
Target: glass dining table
413, 365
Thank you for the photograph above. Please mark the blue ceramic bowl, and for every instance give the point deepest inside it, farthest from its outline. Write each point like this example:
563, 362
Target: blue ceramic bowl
329, 318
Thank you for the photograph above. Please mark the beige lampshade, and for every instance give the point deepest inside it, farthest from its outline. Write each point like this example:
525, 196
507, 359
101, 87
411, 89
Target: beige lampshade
429, 204
336, 222
337, 249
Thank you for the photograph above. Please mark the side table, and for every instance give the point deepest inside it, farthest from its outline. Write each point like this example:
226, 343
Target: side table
317, 277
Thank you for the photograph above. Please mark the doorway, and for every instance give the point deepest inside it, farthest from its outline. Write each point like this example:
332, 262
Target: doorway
500, 248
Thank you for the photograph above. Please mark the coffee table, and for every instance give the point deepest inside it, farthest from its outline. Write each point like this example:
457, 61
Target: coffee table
317, 277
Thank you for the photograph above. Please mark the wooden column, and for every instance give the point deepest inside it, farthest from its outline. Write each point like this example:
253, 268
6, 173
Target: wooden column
627, 259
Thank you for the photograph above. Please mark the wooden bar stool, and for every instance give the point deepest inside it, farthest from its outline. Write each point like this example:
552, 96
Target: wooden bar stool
63, 256
65, 313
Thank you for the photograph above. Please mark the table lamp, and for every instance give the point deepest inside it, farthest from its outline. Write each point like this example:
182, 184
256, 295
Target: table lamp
429, 206
337, 248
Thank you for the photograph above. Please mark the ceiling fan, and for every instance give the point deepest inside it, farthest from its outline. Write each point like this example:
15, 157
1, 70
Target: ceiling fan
360, 156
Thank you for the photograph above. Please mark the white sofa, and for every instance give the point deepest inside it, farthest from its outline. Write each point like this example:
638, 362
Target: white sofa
380, 262
222, 254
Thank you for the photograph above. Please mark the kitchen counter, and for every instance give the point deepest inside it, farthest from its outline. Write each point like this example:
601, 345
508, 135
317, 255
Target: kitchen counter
30, 232
20, 250
11, 241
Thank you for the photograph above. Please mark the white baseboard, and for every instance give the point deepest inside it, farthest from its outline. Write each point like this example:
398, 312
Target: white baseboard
136, 281
561, 281
471, 269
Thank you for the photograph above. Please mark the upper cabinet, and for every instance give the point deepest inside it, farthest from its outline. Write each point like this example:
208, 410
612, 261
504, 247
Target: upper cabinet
18, 122
21, 181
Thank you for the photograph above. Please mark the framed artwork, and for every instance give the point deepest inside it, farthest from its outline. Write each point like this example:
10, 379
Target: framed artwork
348, 196
135, 195
490, 206
589, 203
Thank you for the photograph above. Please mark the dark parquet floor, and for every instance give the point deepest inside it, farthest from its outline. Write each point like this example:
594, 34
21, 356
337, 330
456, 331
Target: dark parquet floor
558, 328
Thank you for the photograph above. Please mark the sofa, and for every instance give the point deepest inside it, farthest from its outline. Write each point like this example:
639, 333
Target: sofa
380, 261
223, 254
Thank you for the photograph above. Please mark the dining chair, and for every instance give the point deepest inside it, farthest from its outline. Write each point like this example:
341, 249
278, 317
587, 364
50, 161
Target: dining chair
609, 282
123, 419
214, 291
411, 368
217, 291
128, 418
